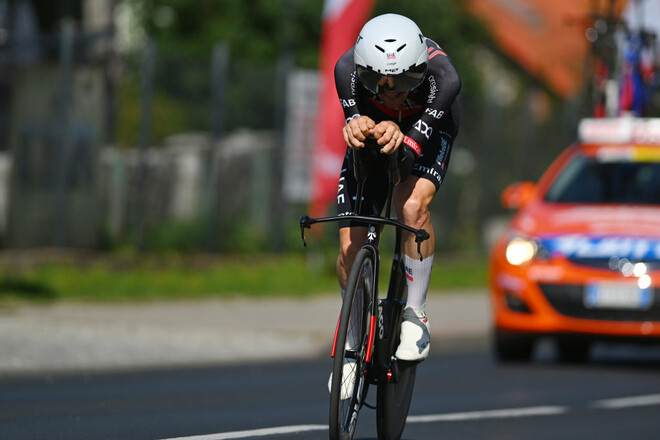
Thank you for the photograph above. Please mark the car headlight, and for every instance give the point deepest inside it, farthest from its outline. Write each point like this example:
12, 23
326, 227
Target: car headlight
520, 251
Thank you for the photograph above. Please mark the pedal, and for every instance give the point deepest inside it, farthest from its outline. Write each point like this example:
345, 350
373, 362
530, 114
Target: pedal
393, 372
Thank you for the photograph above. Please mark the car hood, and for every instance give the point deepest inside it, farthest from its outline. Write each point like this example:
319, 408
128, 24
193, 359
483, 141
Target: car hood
594, 231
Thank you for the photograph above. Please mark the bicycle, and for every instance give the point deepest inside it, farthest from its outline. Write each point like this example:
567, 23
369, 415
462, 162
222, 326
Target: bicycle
370, 325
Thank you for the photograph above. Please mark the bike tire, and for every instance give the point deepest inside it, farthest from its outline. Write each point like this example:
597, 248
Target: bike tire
357, 309
394, 402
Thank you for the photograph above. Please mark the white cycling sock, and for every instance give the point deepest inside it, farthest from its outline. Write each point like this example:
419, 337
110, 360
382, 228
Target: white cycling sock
418, 274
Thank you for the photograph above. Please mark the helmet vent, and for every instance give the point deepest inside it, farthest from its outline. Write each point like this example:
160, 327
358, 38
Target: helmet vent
399, 49
390, 40
379, 48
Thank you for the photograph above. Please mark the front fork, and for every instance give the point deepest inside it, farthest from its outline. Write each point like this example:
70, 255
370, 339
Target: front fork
388, 326
384, 329
385, 368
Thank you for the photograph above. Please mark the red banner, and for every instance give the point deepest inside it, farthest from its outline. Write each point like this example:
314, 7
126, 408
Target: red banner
342, 21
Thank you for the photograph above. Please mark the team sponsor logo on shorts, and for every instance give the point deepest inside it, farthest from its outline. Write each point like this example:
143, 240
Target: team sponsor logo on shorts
341, 197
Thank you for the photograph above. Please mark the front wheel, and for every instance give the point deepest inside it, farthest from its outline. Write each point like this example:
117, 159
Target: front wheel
394, 402
348, 386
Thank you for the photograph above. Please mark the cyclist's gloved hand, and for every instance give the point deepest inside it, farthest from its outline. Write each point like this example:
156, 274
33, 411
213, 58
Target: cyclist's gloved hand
407, 158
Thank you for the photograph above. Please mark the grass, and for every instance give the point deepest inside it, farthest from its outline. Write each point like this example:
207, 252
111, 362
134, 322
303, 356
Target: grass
117, 278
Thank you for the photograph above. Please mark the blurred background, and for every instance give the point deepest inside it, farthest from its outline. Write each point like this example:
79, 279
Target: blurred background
188, 126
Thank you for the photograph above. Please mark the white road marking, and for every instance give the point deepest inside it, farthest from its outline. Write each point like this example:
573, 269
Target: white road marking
490, 414
532, 411
256, 432
627, 402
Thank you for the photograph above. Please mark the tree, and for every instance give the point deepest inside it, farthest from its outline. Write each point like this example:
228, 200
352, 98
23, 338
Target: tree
257, 31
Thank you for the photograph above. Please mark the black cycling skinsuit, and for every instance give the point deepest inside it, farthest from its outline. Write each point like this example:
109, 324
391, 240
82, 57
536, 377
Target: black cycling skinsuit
428, 118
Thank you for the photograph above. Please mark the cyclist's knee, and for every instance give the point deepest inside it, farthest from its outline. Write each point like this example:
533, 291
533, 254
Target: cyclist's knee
348, 249
414, 211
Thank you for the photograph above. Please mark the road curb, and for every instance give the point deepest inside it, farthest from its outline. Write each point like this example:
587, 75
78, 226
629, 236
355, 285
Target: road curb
67, 336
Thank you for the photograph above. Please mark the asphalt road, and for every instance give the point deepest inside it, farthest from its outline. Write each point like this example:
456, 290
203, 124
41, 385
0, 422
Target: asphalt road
461, 393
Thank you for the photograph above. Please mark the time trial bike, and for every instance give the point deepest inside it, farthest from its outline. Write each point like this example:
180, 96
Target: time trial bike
367, 332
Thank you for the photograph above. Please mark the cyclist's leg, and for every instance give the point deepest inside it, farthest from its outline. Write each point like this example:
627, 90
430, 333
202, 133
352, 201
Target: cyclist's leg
412, 199
350, 241
414, 195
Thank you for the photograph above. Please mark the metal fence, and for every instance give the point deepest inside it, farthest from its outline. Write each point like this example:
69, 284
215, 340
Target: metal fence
160, 151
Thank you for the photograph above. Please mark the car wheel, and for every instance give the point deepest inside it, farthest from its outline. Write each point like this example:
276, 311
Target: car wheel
572, 351
513, 347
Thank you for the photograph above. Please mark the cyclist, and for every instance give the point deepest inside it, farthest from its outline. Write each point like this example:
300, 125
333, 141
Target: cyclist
401, 88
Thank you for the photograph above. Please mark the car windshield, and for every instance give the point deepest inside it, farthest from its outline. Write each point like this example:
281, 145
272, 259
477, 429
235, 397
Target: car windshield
589, 180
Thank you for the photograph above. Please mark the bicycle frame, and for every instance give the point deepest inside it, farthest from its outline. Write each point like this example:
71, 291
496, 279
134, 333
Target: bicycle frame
387, 311
374, 360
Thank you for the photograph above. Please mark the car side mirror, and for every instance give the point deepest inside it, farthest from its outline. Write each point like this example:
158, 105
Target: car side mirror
518, 195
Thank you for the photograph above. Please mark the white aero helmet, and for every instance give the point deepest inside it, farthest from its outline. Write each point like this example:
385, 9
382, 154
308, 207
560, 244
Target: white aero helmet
391, 45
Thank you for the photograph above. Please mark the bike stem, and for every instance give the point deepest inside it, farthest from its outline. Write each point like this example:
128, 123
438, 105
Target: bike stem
394, 177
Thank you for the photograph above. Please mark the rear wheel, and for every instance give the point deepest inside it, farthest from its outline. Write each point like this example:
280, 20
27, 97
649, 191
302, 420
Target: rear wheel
513, 347
394, 402
348, 385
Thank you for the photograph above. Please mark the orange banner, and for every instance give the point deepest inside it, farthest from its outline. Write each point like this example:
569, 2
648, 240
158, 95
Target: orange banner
342, 22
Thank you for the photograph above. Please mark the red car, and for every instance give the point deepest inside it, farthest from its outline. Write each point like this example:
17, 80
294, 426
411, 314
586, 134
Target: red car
580, 261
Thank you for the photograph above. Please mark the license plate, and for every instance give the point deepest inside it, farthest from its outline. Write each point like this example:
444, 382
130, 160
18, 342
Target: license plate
617, 296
